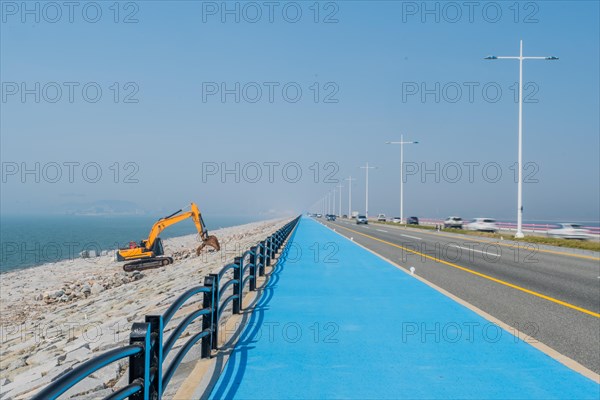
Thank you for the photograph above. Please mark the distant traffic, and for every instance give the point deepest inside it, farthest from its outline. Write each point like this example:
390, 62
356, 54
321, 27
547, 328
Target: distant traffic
481, 224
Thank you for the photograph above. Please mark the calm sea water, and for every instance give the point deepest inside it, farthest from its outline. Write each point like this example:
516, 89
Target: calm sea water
27, 241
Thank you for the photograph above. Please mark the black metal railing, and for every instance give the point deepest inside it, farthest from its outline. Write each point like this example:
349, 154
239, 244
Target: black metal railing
149, 374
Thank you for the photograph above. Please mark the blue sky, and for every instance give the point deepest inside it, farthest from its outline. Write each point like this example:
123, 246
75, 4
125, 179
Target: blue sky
364, 66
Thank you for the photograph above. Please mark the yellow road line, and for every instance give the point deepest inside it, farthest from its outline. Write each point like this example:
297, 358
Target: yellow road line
562, 253
522, 289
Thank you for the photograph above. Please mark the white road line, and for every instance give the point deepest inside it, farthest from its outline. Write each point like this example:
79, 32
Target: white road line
381, 230
412, 237
479, 251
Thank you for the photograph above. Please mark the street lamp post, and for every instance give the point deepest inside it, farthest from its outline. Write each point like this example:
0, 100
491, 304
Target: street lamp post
333, 202
519, 233
340, 201
401, 143
367, 168
350, 179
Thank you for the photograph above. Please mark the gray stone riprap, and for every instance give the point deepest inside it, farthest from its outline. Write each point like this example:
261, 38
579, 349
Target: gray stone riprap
56, 316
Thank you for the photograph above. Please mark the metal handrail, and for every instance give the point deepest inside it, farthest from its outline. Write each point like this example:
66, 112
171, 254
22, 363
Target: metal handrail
246, 266
180, 301
246, 280
226, 268
223, 288
126, 391
225, 303
179, 356
181, 327
73, 377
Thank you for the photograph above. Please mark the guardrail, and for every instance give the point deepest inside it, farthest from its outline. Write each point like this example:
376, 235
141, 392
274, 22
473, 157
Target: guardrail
511, 226
148, 374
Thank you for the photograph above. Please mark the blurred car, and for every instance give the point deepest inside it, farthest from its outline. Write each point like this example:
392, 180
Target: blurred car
396, 220
381, 218
361, 219
330, 217
483, 225
319, 215
569, 231
412, 221
344, 216
453, 222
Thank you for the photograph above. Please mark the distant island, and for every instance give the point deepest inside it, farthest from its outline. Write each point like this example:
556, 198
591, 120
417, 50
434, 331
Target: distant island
103, 208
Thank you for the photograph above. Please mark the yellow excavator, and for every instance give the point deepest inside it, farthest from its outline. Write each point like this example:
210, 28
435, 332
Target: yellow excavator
149, 253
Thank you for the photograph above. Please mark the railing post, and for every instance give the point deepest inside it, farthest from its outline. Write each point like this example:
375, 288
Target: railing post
273, 246
269, 251
237, 287
263, 258
277, 241
215, 313
253, 268
281, 238
156, 354
207, 319
139, 364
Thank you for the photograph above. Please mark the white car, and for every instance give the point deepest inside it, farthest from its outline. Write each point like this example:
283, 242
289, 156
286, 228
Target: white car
396, 220
453, 222
569, 231
483, 225
362, 219
381, 218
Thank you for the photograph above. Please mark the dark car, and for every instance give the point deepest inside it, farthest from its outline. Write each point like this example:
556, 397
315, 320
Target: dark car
330, 217
412, 221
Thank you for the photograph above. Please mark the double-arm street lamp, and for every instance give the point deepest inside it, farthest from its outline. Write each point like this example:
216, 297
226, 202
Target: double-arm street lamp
520, 57
401, 143
367, 168
350, 179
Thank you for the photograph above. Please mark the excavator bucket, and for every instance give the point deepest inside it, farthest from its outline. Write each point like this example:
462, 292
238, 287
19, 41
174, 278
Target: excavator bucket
211, 241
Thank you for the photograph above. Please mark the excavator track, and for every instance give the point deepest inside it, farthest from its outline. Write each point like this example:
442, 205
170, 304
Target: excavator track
149, 263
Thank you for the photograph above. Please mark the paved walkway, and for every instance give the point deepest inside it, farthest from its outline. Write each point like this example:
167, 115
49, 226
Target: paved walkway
343, 323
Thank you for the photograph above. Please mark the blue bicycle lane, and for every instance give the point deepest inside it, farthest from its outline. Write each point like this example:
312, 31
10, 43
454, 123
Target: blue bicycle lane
336, 321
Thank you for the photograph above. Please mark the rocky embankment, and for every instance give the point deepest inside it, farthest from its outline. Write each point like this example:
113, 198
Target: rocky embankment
57, 315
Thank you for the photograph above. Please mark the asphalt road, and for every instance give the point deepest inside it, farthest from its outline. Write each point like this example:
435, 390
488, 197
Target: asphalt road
550, 294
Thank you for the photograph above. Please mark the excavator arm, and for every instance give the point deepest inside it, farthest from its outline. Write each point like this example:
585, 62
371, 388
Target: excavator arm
194, 213
161, 225
207, 240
